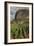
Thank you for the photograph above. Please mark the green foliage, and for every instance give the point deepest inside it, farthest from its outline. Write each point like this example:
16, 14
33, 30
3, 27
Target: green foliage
20, 29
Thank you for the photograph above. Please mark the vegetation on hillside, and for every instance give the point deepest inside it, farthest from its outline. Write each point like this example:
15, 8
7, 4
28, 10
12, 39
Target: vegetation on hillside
19, 29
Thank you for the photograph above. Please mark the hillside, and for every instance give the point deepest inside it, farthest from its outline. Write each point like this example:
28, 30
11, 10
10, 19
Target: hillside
20, 26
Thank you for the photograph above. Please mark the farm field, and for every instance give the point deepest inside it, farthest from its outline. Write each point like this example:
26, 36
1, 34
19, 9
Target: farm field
19, 28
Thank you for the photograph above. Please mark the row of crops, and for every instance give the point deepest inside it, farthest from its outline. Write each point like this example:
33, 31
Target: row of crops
19, 30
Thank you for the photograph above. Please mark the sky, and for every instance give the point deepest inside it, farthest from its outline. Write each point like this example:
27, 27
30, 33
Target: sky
12, 13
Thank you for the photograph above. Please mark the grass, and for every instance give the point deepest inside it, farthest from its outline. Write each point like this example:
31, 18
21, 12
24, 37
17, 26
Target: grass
19, 29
